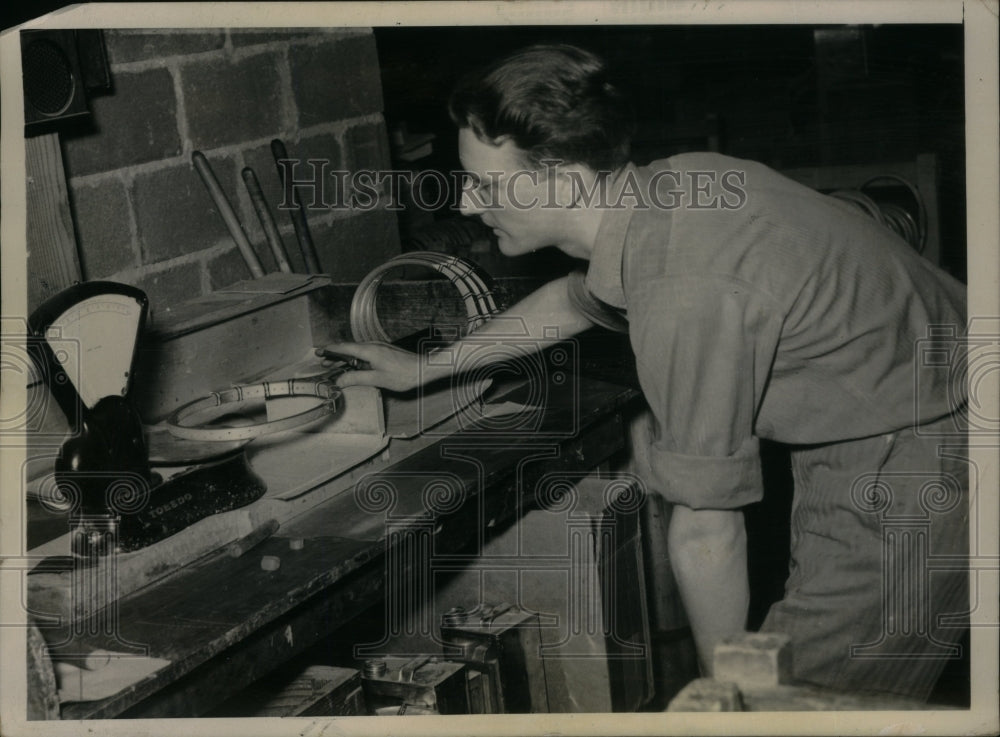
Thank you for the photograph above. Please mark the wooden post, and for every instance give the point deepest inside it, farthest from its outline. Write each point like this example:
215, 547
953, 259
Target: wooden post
53, 262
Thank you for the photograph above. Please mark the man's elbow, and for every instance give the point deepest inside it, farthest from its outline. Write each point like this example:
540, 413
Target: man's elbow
704, 533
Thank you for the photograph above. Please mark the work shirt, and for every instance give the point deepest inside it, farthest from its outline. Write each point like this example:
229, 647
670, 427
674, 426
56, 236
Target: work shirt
760, 308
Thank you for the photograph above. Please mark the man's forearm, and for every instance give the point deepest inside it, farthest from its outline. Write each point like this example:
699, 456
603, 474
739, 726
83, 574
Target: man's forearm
708, 553
545, 315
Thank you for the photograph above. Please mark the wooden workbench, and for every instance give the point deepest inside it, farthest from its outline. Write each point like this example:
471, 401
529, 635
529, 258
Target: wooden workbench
223, 622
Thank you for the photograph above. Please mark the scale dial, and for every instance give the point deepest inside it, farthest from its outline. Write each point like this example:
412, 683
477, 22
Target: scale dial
92, 336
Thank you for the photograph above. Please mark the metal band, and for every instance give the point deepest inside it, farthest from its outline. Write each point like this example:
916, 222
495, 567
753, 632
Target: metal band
321, 387
468, 278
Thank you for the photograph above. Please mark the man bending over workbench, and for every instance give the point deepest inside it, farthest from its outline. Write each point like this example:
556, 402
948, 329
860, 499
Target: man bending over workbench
756, 308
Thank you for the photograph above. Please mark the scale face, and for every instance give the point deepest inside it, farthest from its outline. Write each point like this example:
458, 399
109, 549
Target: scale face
94, 341
84, 341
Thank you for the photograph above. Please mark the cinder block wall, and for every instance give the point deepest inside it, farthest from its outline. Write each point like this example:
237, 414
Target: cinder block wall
141, 212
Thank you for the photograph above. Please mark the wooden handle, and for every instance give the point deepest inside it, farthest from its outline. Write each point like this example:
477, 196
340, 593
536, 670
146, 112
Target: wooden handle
266, 221
297, 213
226, 210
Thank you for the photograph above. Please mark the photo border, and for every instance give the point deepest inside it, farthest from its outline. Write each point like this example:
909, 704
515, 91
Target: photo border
981, 80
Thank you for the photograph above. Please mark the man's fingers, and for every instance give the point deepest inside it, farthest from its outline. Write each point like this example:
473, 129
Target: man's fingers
358, 378
349, 352
334, 350
373, 364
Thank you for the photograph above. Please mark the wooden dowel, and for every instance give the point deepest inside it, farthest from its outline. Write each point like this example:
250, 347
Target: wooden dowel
298, 212
266, 220
204, 169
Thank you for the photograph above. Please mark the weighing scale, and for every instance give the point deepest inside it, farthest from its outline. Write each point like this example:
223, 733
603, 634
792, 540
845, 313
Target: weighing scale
84, 342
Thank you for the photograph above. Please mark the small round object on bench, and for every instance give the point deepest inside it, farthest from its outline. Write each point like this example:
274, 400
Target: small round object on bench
270, 562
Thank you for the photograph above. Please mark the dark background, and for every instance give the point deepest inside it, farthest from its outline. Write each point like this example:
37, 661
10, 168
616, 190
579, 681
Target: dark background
788, 96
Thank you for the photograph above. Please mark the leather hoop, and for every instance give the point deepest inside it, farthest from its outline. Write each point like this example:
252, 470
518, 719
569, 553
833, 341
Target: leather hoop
323, 388
467, 277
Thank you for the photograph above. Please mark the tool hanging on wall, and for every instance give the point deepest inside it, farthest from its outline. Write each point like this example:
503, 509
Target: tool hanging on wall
470, 280
204, 170
298, 210
266, 220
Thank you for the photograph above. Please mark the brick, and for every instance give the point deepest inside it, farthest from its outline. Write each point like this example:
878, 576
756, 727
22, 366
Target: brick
130, 45
103, 232
135, 124
336, 80
367, 147
351, 247
174, 212
227, 102
227, 268
707, 694
171, 286
754, 660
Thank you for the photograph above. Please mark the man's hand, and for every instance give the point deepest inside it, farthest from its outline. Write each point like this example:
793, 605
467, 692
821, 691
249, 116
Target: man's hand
388, 367
545, 310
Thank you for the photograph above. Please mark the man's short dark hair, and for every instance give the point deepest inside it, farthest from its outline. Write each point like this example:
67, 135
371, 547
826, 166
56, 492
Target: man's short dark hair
553, 102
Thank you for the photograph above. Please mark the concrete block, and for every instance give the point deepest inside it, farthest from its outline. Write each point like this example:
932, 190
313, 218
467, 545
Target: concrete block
171, 286
227, 102
103, 232
126, 45
754, 660
336, 80
351, 247
135, 124
707, 694
367, 147
228, 268
174, 212
324, 148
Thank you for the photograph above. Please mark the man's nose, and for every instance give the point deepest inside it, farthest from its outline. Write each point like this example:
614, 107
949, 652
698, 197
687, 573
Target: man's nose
470, 203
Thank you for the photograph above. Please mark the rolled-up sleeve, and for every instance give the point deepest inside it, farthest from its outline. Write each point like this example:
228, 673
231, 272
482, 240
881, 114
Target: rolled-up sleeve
596, 311
704, 348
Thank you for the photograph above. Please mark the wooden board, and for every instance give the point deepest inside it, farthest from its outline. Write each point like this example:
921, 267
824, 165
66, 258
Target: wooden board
53, 261
319, 690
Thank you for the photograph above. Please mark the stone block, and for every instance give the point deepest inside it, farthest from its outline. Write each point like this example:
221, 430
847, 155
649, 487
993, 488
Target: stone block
227, 101
171, 286
754, 660
103, 230
366, 146
126, 45
350, 247
175, 214
336, 80
135, 124
227, 268
707, 694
